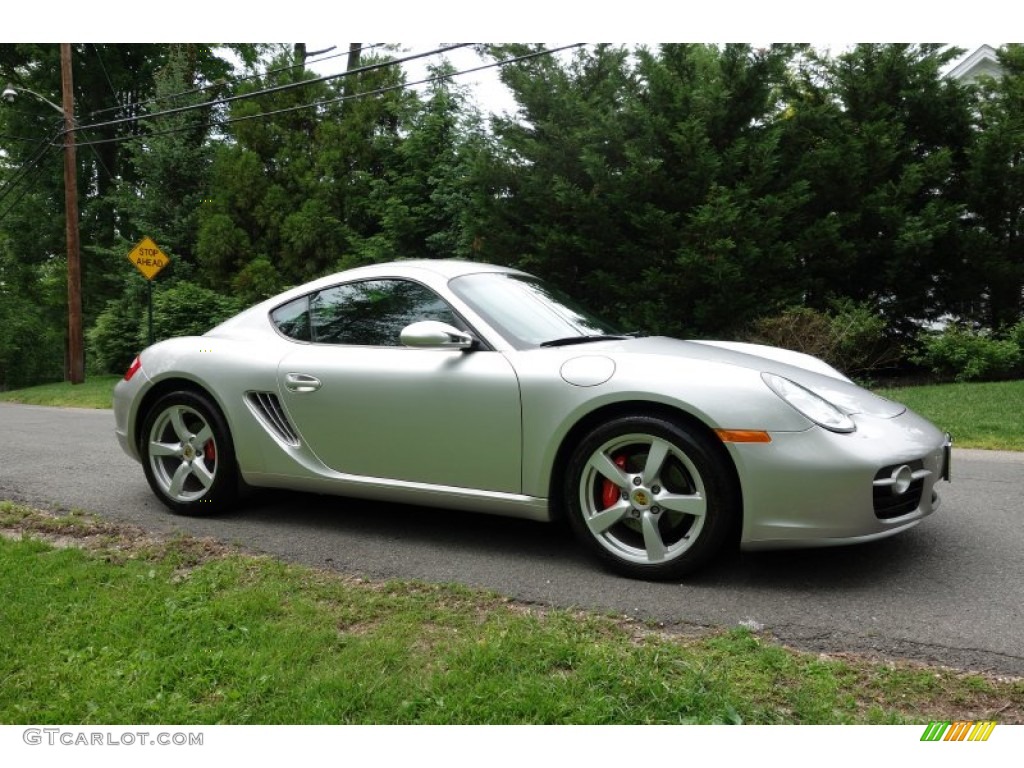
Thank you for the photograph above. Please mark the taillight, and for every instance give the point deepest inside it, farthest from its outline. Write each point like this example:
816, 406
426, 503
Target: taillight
136, 364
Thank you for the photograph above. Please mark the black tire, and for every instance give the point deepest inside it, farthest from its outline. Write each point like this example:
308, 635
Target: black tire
188, 455
652, 499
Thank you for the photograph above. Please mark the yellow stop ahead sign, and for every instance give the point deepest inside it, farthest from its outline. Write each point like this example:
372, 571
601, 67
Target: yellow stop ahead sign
148, 258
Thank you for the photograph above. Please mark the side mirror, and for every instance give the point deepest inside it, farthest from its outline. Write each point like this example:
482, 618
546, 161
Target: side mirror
431, 334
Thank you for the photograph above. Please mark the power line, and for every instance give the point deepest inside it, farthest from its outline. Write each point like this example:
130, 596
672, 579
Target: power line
339, 99
34, 173
31, 168
273, 89
106, 74
48, 143
389, 88
33, 165
42, 147
25, 139
235, 81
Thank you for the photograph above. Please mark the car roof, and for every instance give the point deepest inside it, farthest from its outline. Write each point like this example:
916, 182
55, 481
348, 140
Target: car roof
445, 267
412, 268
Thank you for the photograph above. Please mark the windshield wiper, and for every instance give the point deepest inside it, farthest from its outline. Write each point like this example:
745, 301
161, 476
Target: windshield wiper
581, 340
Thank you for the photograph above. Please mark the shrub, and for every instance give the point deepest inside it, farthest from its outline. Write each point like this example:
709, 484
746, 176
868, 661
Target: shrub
187, 309
969, 355
799, 328
31, 344
113, 340
852, 337
1016, 335
257, 280
861, 337
180, 309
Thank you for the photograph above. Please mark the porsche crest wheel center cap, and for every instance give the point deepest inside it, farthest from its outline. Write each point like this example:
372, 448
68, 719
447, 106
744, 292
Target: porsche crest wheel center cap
641, 498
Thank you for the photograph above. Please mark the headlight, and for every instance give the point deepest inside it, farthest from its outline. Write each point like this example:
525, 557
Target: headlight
815, 408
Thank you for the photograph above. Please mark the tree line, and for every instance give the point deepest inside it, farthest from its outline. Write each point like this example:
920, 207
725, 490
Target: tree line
689, 190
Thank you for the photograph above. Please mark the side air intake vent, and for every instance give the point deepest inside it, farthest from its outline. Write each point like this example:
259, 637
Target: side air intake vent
268, 410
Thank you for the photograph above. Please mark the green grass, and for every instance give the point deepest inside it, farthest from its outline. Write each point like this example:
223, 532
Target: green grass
94, 392
125, 628
979, 415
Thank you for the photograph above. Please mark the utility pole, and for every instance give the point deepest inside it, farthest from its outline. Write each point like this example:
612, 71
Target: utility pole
348, 86
353, 55
76, 348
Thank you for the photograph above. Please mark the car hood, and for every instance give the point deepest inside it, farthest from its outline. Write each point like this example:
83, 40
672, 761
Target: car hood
809, 372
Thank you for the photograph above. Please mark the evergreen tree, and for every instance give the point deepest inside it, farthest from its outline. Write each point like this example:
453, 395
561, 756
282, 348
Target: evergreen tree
649, 185
422, 200
171, 159
995, 255
291, 192
879, 137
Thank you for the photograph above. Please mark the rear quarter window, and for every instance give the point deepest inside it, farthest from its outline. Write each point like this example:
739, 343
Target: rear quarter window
292, 319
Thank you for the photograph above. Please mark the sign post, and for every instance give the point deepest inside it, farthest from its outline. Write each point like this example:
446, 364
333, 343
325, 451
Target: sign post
149, 260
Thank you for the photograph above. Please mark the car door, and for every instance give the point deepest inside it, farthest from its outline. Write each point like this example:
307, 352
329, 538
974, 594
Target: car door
368, 406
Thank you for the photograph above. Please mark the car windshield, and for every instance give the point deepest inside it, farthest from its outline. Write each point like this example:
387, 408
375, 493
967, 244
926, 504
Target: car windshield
529, 312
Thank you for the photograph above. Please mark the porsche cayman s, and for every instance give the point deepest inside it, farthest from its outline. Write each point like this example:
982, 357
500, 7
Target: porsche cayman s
477, 387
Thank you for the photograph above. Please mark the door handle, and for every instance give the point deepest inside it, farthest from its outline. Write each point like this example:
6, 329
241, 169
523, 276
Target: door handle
301, 382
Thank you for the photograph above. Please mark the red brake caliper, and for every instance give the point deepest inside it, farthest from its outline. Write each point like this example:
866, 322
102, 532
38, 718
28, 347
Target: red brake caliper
610, 491
210, 451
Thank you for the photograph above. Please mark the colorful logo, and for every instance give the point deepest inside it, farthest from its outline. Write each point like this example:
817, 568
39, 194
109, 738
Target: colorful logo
961, 730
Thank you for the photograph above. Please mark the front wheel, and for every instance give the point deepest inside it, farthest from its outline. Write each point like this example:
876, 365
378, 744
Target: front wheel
651, 498
188, 455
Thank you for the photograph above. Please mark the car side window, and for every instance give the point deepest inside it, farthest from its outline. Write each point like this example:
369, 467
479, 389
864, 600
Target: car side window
292, 319
366, 313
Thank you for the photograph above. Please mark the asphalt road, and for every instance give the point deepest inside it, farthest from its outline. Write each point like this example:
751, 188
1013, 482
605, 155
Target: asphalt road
950, 591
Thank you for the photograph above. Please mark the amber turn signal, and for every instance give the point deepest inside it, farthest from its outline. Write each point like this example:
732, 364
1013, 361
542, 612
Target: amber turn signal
743, 436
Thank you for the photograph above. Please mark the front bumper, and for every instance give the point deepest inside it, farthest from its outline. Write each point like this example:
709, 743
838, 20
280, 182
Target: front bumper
819, 488
127, 395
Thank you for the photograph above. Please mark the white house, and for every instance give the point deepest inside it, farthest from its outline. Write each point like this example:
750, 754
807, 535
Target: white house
982, 62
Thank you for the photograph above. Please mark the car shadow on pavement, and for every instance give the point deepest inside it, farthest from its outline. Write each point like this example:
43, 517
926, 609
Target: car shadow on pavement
824, 568
373, 536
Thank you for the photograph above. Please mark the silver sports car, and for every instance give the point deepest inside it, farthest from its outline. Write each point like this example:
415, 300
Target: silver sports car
471, 386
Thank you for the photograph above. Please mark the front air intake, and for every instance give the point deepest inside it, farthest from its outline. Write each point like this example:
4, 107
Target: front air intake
897, 489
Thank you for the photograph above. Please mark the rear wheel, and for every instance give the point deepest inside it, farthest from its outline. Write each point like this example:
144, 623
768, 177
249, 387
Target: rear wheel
188, 455
651, 498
